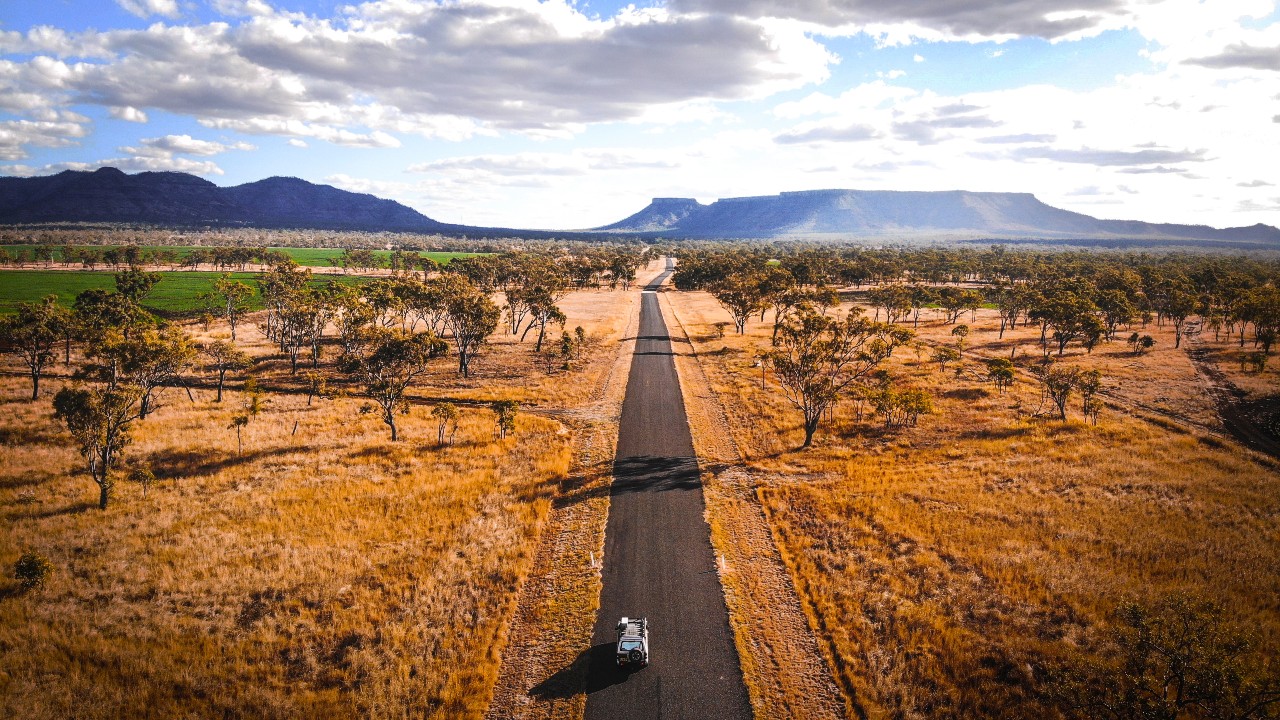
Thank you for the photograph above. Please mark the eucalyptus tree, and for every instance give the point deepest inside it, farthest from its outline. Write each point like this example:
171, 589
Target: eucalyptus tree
278, 287
136, 284
816, 357
100, 420
742, 296
1068, 310
152, 358
225, 357
1012, 301
895, 300
33, 332
234, 296
471, 317
1057, 383
393, 360
1001, 373
446, 416
1116, 309
955, 301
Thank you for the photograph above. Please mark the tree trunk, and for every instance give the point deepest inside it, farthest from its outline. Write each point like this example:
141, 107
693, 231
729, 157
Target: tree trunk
104, 494
810, 427
390, 420
35, 384
222, 374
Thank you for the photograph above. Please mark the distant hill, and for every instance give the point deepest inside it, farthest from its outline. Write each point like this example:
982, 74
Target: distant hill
952, 214
178, 199
171, 198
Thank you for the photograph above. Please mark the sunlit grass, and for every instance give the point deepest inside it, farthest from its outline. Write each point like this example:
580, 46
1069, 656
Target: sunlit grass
325, 572
943, 565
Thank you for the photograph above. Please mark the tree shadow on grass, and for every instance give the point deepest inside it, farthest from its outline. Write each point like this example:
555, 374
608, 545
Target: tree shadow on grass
967, 394
30, 514
22, 398
593, 670
997, 433
27, 435
172, 464
26, 479
584, 485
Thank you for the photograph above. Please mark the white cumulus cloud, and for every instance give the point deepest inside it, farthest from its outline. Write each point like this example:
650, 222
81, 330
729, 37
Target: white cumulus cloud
129, 114
148, 8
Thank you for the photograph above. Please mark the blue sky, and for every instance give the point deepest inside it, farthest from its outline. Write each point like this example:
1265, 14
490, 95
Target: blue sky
568, 115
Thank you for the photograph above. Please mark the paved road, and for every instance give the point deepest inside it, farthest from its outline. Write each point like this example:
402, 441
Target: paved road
658, 560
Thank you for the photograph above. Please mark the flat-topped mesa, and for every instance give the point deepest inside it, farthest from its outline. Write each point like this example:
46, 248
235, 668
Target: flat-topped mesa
663, 213
956, 214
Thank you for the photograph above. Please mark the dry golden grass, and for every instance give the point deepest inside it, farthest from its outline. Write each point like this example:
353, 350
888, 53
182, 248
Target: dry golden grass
939, 564
326, 572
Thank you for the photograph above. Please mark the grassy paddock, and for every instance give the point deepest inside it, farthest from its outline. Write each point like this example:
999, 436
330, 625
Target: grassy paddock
325, 572
943, 566
176, 293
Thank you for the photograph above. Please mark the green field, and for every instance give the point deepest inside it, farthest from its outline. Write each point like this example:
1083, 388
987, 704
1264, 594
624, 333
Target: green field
328, 257
177, 293
309, 257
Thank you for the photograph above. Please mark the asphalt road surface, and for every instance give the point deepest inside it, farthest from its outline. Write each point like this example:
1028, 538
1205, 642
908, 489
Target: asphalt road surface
658, 561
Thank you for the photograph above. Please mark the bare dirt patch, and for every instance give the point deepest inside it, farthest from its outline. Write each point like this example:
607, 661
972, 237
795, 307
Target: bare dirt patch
1254, 421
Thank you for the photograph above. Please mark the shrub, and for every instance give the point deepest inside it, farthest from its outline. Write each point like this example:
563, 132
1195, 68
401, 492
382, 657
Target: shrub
32, 569
143, 477
504, 416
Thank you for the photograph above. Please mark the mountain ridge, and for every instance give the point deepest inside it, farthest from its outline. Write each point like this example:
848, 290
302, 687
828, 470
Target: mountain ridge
173, 198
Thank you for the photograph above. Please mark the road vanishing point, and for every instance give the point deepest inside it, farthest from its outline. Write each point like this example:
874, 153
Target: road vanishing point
658, 559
